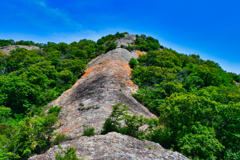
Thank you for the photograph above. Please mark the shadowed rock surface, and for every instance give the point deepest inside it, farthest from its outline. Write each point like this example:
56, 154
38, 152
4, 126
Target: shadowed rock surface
105, 83
114, 146
7, 49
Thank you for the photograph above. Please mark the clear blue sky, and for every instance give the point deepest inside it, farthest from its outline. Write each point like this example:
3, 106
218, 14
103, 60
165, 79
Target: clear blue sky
210, 28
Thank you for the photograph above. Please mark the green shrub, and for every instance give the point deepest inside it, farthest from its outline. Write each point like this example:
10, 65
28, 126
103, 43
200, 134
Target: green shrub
88, 131
132, 123
133, 62
111, 46
70, 154
130, 48
55, 110
123, 46
60, 138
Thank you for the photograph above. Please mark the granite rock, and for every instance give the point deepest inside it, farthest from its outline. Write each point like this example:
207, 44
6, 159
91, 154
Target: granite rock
105, 83
113, 146
127, 40
7, 49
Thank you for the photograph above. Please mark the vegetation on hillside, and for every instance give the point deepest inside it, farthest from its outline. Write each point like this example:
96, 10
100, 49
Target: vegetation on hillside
21, 42
29, 79
144, 43
197, 102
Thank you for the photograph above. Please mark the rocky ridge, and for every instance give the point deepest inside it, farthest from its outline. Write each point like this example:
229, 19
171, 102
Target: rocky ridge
7, 49
105, 83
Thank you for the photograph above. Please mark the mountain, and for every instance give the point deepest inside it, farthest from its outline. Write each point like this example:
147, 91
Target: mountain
106, 82
122, 97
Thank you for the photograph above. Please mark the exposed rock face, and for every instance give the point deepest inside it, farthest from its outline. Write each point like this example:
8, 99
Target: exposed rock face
7, 49
114, 146
105, 83
128, 39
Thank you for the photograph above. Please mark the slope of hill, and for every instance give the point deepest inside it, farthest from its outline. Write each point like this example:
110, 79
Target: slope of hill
195, 102
105, 83
7, 49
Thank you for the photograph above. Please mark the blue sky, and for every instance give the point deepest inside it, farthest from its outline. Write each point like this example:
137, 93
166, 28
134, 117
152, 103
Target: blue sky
208, 28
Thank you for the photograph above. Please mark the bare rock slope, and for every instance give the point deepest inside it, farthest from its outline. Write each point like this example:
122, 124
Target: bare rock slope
7, 49
114, 146
105, 83
127, 40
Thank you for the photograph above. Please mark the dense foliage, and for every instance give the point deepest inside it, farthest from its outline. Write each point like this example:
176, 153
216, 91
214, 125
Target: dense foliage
217, 137
22, 42
144, 43
32, 135
197, 102
29, 80
34, 78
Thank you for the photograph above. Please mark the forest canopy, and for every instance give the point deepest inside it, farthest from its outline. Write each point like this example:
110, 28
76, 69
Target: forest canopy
197, 103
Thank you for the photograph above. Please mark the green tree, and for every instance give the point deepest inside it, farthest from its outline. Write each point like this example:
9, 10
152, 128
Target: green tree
133, 62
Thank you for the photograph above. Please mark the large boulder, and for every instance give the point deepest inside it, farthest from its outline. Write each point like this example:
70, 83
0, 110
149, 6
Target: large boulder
113, 146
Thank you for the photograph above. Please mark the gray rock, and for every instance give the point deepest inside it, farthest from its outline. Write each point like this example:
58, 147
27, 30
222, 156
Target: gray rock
128, 39
107, 81
7, 49
113, 146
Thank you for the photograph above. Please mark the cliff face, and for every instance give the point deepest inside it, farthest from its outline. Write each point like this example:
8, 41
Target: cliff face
7, 49
105, 83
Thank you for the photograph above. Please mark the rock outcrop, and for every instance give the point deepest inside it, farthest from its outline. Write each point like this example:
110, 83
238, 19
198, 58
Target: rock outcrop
113, 146
127, 40
7, 49
105, 83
